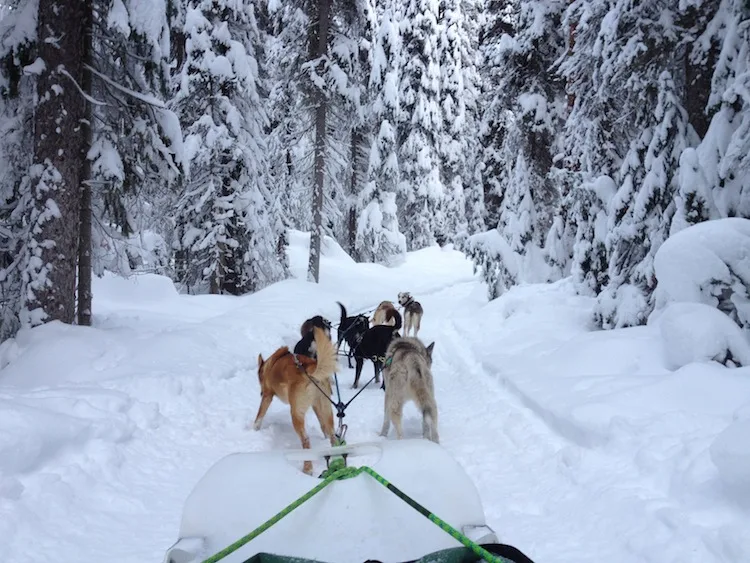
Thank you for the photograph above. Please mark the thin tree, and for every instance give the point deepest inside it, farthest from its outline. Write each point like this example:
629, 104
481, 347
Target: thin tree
318, 51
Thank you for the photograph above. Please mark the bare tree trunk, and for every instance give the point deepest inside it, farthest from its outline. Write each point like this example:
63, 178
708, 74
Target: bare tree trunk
357, 174
571, 45
59, 139
84, 235
318, 48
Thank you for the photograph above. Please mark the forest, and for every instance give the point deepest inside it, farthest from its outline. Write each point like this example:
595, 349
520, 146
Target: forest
544, 138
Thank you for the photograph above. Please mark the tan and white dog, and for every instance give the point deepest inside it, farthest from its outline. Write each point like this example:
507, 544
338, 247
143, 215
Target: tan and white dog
408, 377
412, 313
385, 314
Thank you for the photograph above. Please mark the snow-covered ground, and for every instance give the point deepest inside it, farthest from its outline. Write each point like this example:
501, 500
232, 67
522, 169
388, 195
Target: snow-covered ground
584, 445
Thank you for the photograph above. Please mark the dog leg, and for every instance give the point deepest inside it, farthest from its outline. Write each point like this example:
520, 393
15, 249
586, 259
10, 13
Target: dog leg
417, 325
429, 426
396, 412
265, 402
324, 412
360, 364
349, 356
386, 419
298, 421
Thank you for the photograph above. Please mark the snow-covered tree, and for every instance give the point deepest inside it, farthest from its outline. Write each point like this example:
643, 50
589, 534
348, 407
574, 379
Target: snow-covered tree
285, 27
715, 176
136, 142
17, 84
223, 219
472, 17
453, 142
524, 112
642, 209
378, 236
421, 197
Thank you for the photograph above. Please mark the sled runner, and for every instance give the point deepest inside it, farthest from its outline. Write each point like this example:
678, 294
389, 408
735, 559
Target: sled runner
375, 509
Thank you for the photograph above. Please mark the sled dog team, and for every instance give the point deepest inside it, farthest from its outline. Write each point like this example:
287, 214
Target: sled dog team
300, 378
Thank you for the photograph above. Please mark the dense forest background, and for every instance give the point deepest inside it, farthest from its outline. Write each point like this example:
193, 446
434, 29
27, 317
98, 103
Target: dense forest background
544, 138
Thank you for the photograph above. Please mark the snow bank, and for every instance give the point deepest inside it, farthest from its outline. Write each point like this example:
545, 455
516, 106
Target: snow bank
730, 452
707, 263
694, 332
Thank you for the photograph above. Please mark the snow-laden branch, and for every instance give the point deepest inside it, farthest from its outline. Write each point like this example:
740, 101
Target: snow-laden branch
150, 100
88, 97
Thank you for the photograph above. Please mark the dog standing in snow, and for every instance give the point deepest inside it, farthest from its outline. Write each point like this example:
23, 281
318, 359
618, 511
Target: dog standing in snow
408, 377
412, 313
289, 377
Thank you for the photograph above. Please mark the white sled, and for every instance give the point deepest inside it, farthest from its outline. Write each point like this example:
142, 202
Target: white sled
350, 520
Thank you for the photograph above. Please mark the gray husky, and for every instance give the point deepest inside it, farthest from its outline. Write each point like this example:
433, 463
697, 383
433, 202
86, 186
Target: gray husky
408, 377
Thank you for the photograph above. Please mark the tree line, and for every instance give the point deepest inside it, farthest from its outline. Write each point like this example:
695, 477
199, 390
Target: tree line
546, 138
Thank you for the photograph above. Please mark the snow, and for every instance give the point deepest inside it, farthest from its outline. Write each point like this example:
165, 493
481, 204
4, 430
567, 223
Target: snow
707, 263
583, 445
694, 332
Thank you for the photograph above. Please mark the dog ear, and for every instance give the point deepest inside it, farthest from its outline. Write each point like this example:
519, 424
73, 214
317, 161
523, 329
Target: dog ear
260, 361
429, 349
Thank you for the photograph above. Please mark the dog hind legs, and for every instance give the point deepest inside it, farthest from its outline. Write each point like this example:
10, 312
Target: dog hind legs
429, 425
386, 421
395, 412
324, 413
265, 402
298, 421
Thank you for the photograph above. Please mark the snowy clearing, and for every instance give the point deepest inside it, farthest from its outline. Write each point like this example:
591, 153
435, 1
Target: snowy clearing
584, 446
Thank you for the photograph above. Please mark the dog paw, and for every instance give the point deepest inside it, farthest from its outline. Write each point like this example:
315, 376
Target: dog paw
256, 424
307, 468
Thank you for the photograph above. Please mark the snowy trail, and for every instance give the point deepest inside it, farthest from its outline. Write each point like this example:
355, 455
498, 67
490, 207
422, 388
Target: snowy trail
99, 455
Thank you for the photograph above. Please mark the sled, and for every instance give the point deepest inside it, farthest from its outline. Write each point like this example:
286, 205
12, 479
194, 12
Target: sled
350, 520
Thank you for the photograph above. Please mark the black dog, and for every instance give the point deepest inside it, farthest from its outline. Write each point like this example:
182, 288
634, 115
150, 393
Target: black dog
306, 345
351, 329
373, 345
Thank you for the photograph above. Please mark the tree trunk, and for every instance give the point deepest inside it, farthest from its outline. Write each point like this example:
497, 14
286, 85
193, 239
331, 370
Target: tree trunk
357, 174
571, 45
318, 49
84, 234
59, 139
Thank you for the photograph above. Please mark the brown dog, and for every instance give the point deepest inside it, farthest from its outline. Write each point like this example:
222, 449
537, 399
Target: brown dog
285, 376
384, 314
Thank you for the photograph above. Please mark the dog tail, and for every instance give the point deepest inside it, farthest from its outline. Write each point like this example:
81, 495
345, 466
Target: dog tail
327, 358
343, 312
397, 322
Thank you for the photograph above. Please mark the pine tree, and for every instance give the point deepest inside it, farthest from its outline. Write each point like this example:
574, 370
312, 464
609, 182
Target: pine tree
715, 176
642, 210
223, 214
452, 143
378, 238
422, 194
17, 88
136, 141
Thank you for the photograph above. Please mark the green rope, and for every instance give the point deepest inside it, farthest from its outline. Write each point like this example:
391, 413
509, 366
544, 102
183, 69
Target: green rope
348, 473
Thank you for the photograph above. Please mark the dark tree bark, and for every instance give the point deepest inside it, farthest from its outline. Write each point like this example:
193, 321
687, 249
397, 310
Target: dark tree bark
318, 48
59, 140
358, 173
84, 236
